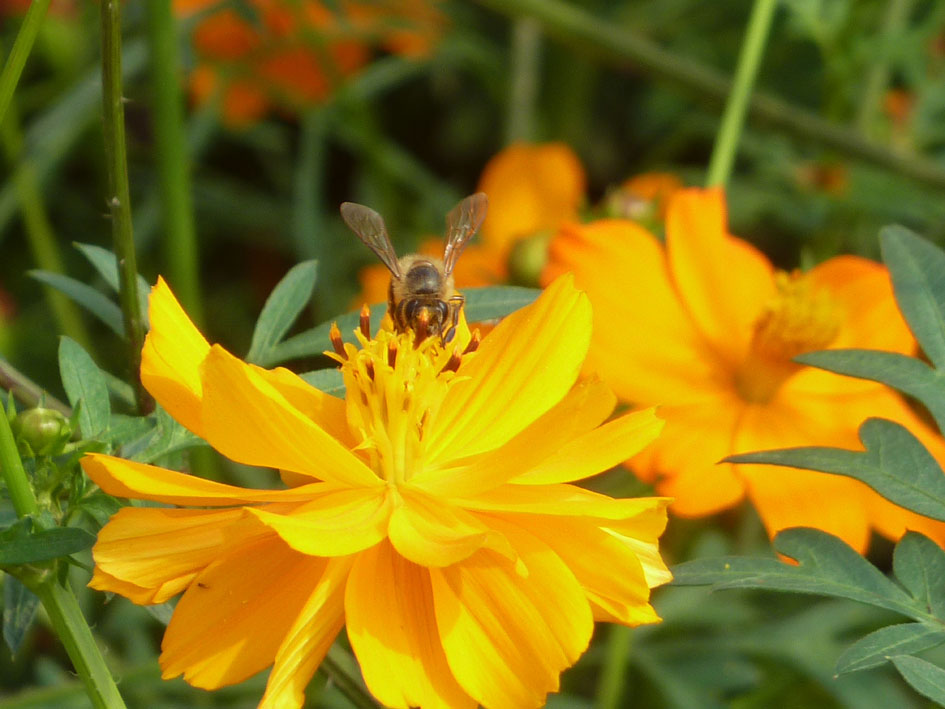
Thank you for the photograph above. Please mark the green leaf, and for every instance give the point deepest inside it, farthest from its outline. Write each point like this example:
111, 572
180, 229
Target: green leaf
106, 263
878, 647
826, 566
84, 381
19, 610
895, 464
282, 307
329, 381
86, 296
927, 679
919, 565
917, 268
21, 544
907, 374
481, 304
167, 437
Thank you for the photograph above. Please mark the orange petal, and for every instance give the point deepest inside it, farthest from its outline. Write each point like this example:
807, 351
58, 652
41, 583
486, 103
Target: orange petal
393, 632
335, 523
724, 282
234, 617
508, 635
251, 422
309, 639
125, 478
644, 344
171, 358
159, 551
523, 367
327, 411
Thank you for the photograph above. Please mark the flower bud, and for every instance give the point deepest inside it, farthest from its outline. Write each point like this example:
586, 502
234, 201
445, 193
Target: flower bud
43, 430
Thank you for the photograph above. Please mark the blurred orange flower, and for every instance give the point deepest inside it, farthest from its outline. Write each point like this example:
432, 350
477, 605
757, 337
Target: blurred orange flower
643, 197
293, 54
707, 327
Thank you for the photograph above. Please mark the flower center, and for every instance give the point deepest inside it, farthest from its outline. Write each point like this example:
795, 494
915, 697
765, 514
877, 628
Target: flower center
395, 385
798, 318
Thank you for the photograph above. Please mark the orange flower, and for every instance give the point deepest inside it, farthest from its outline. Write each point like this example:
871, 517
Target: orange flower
293, 54
432, 512
707, 327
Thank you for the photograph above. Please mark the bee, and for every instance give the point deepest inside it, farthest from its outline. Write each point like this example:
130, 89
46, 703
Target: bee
421, 295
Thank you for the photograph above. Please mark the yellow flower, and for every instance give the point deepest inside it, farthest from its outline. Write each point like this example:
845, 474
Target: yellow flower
707, 327
431, 512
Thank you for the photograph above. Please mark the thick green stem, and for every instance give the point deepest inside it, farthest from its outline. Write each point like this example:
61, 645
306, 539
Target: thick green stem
69, 623
14, 475
523, 87
119, 199
22, 46
733, 118
170, 150
616, 45
613, 678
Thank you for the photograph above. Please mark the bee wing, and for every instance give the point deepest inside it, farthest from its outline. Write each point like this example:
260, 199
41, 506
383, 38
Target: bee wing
370, 228
461, 223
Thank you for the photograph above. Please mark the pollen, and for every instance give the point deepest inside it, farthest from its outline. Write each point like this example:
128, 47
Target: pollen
396, 384
799, 318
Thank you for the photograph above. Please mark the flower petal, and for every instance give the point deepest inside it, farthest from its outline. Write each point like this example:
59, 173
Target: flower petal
249, 421
126, 478
171, 358
646, 347
430, 532
723, 281
598, 450
327, 411
523, 367
507, 635
232, 620
159, 551
335, 523
309, 639
393, 632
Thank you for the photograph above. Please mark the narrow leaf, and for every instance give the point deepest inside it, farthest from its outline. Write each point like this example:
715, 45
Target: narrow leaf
907, 374
282, 307
106, 264
917, 268
86, 296
927, 679
496, 301
19, 610
879, 646
919, 565
895, 464
85, 382
329, 381
21, 544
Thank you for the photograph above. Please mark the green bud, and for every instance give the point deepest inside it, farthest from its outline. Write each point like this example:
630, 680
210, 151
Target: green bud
45, 431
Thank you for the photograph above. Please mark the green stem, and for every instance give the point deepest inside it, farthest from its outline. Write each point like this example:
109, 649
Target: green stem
733, 118
610, 687
181, 249
523, 88
69, 623
14, 475
340, 668
119, 200
22, 46
877, 79
28, 391
620, 47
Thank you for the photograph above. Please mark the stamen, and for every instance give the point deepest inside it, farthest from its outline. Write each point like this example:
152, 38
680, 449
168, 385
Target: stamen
455, 360
369, 368
392, 353
337, 343
474, 341
366, 321
423, 327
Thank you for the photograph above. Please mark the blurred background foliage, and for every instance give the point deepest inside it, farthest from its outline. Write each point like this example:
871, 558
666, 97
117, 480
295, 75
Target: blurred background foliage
295, 106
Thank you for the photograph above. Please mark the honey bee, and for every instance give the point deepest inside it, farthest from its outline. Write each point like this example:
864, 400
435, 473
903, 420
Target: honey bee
421, 295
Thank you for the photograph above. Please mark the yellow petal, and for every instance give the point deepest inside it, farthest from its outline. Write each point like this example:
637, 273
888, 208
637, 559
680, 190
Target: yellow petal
232, 620
308, 640
507, 635
393, 632
523, 368
126, 478
335, 523
171, 358
249, 421
430, 532
102, 581
583, 408
598, 450
159, 551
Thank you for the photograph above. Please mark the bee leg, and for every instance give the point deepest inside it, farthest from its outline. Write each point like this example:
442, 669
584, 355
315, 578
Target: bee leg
456, 303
